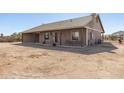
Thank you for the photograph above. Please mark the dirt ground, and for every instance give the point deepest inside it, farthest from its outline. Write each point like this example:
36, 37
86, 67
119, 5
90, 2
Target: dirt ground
19, 60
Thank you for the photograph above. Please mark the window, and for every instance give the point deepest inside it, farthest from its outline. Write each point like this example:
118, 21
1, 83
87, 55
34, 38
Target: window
75, 35
46, 35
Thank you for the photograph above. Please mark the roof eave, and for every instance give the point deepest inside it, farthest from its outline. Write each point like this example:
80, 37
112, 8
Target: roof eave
101, 24
55, 29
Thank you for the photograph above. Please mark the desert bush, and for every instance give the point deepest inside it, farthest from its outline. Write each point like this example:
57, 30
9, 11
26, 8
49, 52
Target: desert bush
110, 37
7, 39
113, 37
15, 37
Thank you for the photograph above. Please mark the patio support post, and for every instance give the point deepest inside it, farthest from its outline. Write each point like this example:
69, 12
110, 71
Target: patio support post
60, 38
102, 37
86, 37
82, 42
52, 37
40, 37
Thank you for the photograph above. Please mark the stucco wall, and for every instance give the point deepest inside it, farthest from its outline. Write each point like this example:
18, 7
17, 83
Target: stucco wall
96, 36
41, 38
96, 30
51, 37
28, 37
66, 37
95, 24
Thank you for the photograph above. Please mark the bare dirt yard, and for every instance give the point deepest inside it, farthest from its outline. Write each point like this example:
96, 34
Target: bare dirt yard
19, 60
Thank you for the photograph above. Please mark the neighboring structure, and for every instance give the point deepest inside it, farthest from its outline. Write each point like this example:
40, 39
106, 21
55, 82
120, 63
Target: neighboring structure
81, 31
118, 35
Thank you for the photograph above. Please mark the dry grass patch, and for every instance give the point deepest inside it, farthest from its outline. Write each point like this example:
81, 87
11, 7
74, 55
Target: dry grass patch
101, 61
38, 55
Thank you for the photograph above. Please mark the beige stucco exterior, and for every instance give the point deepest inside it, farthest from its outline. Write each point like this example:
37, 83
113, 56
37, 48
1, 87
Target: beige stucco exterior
64, 37
96, 28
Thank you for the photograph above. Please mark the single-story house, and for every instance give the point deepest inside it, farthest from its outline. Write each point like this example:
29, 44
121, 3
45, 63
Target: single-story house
81, 31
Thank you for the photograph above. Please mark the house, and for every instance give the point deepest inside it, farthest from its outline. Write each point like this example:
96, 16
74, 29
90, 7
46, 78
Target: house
118, 35
81, 31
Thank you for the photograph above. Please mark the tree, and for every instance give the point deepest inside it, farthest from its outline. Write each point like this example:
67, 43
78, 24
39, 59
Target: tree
17, 36
113, 37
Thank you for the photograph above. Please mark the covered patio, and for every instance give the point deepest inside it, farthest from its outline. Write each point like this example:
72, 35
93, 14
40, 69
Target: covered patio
65, 37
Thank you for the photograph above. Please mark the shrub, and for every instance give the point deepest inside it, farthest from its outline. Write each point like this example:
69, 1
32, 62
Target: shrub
15, 37
113, 37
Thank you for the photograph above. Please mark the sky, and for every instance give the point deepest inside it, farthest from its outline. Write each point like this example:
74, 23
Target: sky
18, 22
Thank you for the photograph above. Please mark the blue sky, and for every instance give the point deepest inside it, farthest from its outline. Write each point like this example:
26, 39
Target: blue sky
17, 22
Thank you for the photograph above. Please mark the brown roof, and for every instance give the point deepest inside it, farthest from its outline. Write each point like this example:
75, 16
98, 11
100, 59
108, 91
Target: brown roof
66, 24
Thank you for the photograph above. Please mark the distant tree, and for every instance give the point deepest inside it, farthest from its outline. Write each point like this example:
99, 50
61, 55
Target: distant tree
14, 34
113, 37
1, 35
17, 36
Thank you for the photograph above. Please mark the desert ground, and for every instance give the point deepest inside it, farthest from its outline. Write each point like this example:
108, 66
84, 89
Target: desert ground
26, 60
